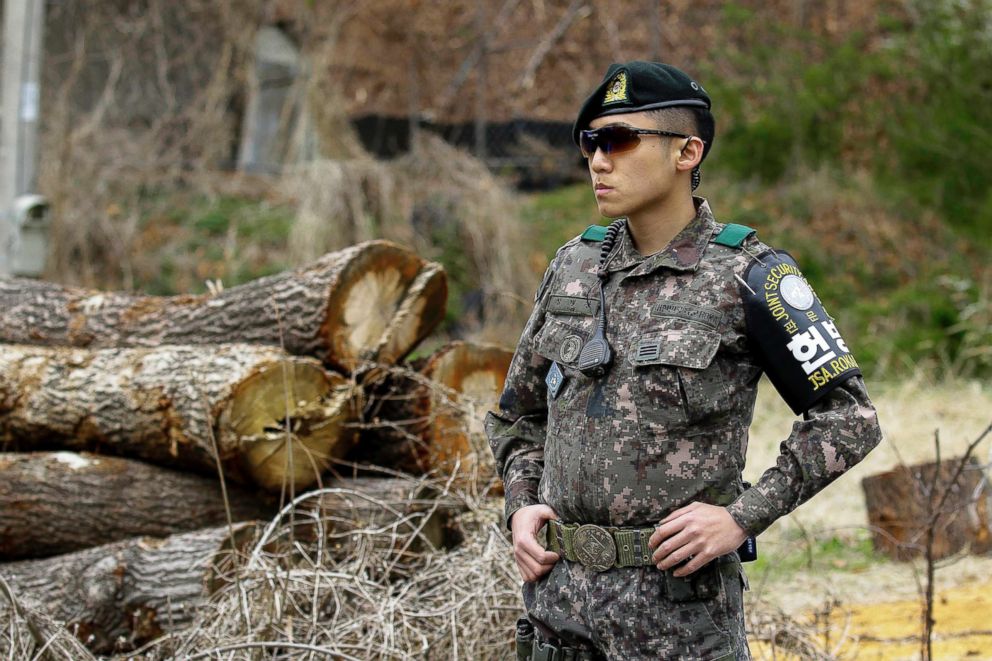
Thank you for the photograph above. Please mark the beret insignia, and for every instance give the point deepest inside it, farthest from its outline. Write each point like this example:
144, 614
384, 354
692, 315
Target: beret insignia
616, 91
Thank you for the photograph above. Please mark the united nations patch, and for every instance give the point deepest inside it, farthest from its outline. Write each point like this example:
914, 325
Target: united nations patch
570, 348
616, 92
796, 292
554, 380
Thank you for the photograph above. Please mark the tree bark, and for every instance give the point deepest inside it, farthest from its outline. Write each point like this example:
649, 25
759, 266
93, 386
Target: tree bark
274, 417
897, 503
337, 309
59, 502
432, 421
130, 591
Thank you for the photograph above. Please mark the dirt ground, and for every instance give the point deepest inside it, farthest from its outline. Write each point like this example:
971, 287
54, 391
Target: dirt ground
876, 614
865, 607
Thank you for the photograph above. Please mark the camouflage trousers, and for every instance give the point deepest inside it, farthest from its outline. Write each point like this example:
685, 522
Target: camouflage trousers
642, 612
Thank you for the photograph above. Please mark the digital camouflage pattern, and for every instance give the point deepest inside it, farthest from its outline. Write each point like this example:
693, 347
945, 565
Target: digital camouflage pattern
668, 423
633, 614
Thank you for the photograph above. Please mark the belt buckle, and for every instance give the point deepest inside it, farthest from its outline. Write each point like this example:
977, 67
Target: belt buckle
594, 547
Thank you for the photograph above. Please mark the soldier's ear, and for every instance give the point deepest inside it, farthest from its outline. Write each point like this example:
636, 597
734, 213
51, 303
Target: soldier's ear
690, 155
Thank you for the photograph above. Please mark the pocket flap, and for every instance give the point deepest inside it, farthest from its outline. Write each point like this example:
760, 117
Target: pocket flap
559, 342
681, 347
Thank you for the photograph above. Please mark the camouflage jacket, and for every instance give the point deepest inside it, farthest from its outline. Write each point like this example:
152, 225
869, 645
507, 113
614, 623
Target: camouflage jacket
664, 427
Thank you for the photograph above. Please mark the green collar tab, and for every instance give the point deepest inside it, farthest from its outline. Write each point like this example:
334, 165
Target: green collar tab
594, 233
733, 235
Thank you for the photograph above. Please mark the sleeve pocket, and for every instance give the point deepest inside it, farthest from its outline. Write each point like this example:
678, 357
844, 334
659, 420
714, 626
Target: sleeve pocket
560, 342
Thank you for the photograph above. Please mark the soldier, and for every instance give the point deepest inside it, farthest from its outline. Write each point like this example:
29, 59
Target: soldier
622, 427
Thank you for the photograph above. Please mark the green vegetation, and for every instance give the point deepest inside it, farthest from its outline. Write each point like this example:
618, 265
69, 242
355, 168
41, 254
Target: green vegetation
185, 240
912, 103
866, 157
848, 550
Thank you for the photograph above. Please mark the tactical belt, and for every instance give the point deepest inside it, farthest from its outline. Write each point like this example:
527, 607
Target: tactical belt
603, 547
600, 548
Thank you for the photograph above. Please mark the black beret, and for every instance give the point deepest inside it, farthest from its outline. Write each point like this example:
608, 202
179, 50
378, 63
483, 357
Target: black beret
636, 86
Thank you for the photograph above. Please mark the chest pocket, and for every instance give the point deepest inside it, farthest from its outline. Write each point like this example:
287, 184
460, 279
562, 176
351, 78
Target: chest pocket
562, 343
678, 377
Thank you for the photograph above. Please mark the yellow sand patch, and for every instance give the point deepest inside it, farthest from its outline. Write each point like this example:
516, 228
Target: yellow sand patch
891, 630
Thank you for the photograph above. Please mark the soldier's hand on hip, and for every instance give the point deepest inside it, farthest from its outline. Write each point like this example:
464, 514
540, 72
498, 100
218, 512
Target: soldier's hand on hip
699, 532
532, 560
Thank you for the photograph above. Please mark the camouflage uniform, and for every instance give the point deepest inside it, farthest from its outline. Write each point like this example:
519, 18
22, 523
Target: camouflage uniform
665, 426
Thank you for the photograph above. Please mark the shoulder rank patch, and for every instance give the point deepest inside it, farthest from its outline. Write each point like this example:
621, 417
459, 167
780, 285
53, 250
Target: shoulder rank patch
800, 347
594, 233
733, 235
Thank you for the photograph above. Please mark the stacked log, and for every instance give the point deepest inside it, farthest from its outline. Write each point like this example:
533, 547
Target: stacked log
58, 502
430, 421
133, 590
473, 375
180, 405
143, 439
341, 309
411, 515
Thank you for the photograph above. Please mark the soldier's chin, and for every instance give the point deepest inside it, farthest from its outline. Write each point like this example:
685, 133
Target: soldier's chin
607, 210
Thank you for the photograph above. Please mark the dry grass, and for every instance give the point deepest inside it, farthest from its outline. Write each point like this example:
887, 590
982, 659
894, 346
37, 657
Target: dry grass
305, 601
440, 201
379, 602
909, 411
291, 600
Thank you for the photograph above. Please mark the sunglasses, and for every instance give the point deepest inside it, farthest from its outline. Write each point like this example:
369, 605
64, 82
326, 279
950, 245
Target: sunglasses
616, 139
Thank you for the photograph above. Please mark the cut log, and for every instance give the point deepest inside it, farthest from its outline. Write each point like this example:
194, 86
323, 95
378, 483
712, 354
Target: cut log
130, 591
435, 425
421, 311
339, 309
395, 419
476, 373
59, 502
275, 418
897, 503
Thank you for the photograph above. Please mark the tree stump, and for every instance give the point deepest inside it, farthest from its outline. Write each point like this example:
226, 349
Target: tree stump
275, 418
133, 590
340, 309
899, 500
59, 502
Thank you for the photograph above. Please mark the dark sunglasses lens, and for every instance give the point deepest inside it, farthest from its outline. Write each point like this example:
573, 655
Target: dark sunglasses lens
587, 143
611, 139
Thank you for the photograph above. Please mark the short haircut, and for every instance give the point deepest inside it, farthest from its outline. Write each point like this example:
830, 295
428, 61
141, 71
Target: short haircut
688, 120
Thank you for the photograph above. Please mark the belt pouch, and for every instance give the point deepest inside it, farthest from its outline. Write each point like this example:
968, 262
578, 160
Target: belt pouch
525, 639
701, 584
679, 589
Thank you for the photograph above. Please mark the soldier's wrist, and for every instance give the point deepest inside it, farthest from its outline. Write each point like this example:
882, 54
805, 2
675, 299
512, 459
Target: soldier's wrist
752, 512
513, 508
